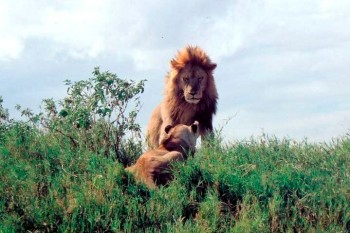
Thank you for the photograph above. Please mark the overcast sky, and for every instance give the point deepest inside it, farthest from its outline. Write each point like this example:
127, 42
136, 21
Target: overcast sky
283, 65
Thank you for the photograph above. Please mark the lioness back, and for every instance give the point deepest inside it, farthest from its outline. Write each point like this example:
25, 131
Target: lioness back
153, 166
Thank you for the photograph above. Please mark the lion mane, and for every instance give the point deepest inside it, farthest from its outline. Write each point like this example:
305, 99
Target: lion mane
152, 168
190, 95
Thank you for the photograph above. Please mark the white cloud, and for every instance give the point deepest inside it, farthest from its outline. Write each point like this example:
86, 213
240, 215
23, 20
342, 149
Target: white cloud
82, 29
146, 59
10, 48
10, 45
279, 62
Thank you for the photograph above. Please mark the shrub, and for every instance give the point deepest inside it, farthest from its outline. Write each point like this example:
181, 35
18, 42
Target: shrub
98, 114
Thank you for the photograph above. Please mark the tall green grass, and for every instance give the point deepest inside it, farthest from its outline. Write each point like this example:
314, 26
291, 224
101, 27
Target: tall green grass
260, 185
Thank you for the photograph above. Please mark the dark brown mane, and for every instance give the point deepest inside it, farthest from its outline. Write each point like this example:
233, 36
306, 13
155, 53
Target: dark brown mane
194, 56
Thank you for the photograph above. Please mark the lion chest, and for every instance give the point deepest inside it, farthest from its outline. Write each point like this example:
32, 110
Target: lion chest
183, 115
178, 111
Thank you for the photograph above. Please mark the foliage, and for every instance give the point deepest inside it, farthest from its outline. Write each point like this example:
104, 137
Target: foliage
98, 114
266, 185
57, 175
4, 117
4, 114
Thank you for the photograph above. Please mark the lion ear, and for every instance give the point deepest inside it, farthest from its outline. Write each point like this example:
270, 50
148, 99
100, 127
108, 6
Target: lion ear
211, 66
168, 128
175, 64
194, 127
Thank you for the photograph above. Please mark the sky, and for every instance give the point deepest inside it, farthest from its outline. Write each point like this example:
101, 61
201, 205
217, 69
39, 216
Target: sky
283, 65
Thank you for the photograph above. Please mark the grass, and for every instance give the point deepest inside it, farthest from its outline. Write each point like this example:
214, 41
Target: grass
260, 185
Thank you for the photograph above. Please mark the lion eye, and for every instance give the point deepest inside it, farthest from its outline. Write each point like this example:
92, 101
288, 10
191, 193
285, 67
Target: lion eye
200, 79
185, 79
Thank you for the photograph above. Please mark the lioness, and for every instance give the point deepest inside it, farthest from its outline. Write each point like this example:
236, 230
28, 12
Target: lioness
153, 166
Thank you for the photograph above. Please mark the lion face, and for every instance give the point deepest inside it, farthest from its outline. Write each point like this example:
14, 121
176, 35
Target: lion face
193, 81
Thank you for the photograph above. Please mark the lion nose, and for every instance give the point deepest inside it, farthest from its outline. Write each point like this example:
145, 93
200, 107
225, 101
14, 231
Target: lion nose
192, 92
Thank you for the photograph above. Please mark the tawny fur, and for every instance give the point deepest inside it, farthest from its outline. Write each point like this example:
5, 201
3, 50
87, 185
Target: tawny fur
152, 167
190, 95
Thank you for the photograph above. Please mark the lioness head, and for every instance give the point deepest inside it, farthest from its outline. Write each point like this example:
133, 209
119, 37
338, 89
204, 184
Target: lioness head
193, 70
181, 136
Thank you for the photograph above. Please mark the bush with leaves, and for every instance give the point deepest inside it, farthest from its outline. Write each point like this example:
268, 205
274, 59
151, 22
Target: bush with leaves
4, 118
4, 113
98, 114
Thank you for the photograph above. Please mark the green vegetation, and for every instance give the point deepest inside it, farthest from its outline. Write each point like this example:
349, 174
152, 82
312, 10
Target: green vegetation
63, 171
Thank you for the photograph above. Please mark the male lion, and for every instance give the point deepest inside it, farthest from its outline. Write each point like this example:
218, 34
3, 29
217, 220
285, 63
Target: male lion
153, 166
190, 95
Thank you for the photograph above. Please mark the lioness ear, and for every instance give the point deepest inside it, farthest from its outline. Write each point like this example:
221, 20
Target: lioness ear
194, 127
168, 128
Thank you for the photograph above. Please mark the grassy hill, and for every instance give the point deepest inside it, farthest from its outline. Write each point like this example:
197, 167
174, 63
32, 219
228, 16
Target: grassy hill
262, 185
62, 170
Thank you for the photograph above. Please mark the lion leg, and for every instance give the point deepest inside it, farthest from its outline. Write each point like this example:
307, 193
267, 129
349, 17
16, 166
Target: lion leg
153, 129
206, 130
162, 133
166, 120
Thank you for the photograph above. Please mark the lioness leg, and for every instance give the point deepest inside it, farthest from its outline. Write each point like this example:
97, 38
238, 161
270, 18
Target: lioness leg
162, 174
172, 156
149, 182
156, 169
